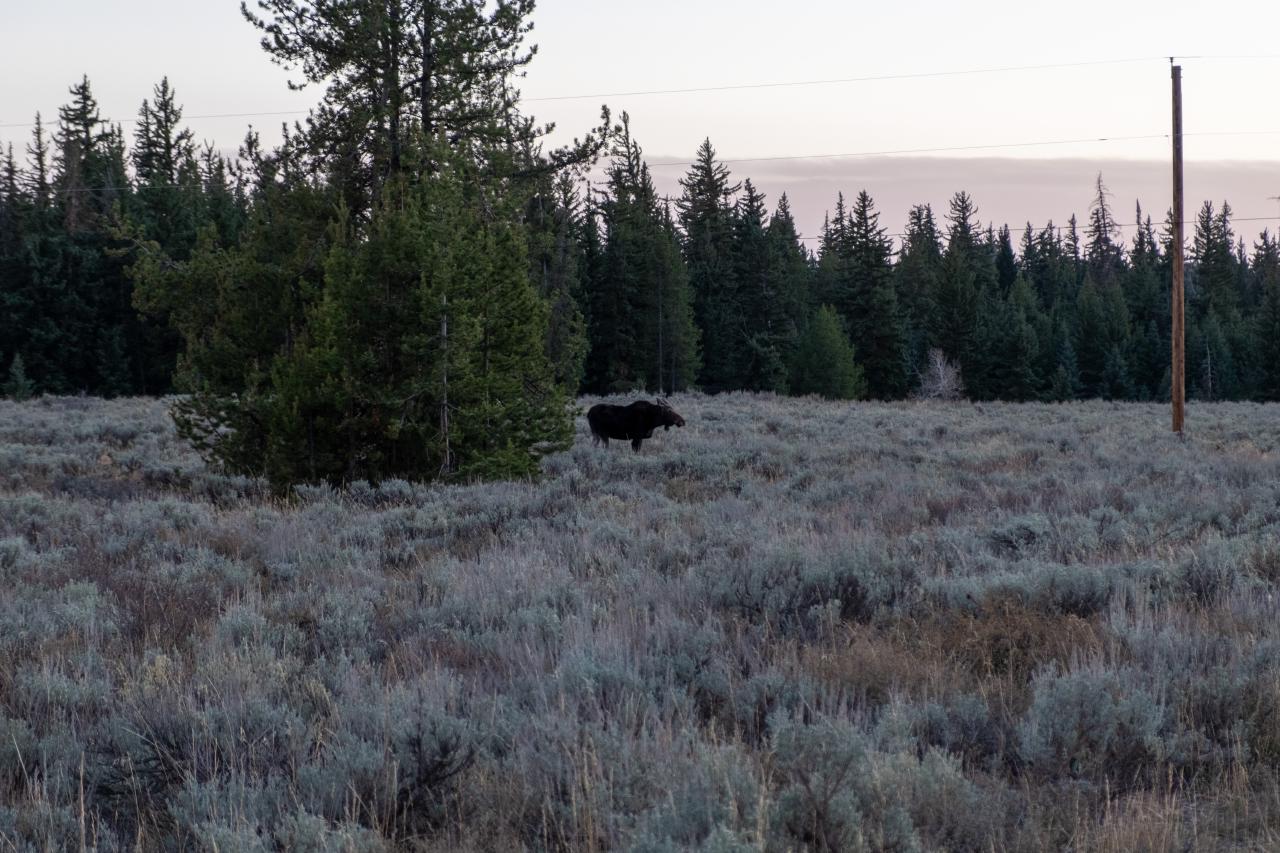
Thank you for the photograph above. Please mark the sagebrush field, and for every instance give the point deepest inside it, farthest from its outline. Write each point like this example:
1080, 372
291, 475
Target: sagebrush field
790, 625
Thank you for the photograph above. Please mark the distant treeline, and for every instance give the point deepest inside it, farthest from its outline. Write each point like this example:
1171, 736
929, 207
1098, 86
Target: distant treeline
712, 292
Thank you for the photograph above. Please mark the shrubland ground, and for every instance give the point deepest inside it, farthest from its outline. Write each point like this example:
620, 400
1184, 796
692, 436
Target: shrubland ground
790, 625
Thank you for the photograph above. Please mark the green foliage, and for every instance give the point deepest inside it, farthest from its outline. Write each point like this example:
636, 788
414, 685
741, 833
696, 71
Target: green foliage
144, 264
1266, 265
556, 254
18, 386
706, 217
638, 298
420, 354
824, 362
863, 290
763, 295
966, 274
917, 270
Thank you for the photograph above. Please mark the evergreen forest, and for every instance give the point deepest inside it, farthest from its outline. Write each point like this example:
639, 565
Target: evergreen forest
414, 283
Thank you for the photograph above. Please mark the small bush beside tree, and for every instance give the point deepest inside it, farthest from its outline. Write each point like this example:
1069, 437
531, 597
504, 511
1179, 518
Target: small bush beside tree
941, 379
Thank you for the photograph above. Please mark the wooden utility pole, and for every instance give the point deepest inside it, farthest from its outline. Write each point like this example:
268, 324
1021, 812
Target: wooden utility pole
1178, 373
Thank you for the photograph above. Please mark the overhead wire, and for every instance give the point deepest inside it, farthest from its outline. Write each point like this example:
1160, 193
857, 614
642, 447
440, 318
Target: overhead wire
775, 84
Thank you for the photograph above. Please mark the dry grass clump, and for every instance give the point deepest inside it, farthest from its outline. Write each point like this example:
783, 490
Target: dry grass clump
791, 625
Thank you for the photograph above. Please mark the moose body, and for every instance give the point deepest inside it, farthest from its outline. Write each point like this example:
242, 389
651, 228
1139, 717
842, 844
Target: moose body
633, 423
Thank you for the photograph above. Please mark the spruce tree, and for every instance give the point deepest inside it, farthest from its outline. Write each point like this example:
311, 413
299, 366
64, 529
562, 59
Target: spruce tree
1104, 257
791, 274
1116, 384
706, 217
1065, 383
1214, 262
641, 330
1266, 266
678, 354
1092, 340
956, 298
18, 386
400, 71
424, 355
553, 216
1006, 261
918, 270
169, 183
39, 182
1022, 344
824, 360
868, 301
763, 311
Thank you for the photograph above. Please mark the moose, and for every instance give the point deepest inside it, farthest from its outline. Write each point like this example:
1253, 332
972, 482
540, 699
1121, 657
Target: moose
635, 422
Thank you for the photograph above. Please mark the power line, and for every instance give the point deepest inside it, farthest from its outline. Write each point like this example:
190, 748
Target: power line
777, 84
872, 78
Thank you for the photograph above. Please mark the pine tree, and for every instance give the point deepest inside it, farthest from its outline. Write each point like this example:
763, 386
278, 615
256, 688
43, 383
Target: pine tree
764, 314
1104, 257
1215, 297
1021, 346
640, 330
1266, 266
1212, 369
232, 334
832, 251
918, 270
15, 296
80, 158
423, 356
678, 358
401, 71
1116, 384
706, 217
1215, 264
39, 183
791, 271
1006, 261
955, 301
824, 361
169, 183
1092, 340
553, 217
1072, 256
18, 387
869, 303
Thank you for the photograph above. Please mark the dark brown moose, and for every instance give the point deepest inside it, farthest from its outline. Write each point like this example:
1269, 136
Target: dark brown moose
635, 422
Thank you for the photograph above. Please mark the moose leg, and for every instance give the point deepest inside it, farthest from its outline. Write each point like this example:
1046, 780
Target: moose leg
635, 444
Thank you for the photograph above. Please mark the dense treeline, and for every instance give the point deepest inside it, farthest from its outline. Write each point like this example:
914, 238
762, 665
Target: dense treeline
410, 283
709, 290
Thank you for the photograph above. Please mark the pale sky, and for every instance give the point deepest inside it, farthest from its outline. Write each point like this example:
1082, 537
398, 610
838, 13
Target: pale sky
604, 47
